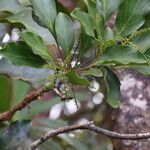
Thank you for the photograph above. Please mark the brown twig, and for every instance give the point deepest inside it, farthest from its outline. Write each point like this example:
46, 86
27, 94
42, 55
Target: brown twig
59, 94
89, 126
27, 99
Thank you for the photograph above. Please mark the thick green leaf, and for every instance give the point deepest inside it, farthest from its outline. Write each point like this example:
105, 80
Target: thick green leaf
107, 7
37, 44
25, 2
131, 16
76, 79
85, 20
94, 17
12, 6
16, 134
142, 41
24, 73
113, 89
5, 94
92, 10
122, 55
65, 32
46, 11
21, 54
93, 72
24, 17
91, 7
147, 54
85, 43
142, 69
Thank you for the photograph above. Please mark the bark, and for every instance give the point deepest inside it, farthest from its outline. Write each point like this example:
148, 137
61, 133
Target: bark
134, 112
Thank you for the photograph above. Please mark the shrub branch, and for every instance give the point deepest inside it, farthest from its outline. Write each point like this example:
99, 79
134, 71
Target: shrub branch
27, 99
33, 96
91, 127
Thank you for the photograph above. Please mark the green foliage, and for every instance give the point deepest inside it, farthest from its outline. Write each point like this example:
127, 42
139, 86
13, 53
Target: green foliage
37, 44
96, 72
24, 17
147, 54
46, 12
127, 45
86, 43
131, 16
113, 88
50, 41
107, 7
76, 79
10, 6
19, 90
21, 54
142, 69
24, 73
85, 20
65, 32
16, 134
142, 40
114, 55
